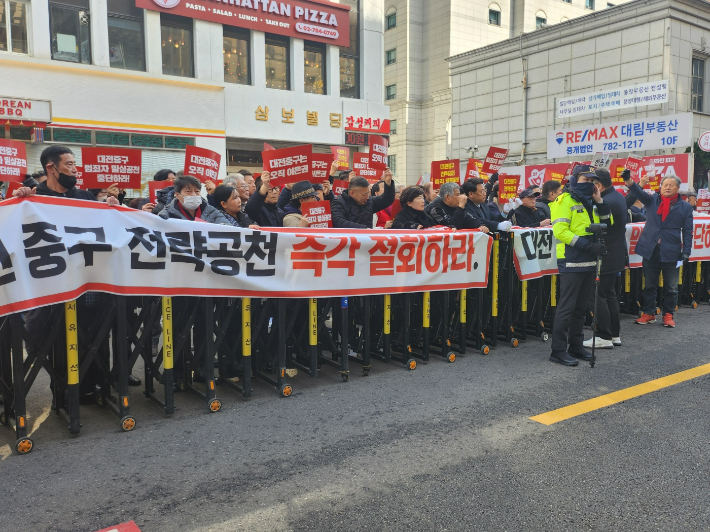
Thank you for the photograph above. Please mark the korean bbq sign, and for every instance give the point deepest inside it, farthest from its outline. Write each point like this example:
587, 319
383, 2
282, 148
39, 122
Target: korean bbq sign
13, 161
319, 21
288, 165
103, 167
127, 251
202, 163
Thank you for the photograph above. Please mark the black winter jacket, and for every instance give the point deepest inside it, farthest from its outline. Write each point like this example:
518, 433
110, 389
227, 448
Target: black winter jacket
347, 213
444, 214
525, 217
264, 214
73, 193
675, 234
616, 257
164, 197
409, 218
543, 205
478, 215
209, 213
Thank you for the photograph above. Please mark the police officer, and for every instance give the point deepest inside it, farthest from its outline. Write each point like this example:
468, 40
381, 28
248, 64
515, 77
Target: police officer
573, 212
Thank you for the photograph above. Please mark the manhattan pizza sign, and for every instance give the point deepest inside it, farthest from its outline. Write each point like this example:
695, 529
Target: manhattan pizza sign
319, 20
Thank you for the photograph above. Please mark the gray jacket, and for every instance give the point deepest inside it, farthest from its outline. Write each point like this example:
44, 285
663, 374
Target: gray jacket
209, 213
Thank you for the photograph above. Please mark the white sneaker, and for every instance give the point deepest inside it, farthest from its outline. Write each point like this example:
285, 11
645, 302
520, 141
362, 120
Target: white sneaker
616, 340
600, 344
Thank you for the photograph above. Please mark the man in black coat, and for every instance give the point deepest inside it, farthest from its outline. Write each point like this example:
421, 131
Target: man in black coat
666, 241
355, 207
449, 208
262, 205
477, 211
527, 214
615, 260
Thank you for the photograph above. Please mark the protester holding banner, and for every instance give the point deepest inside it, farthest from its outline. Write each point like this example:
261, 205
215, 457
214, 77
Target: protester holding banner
412, 215
577, 251
477, 211
616, 259
666, 241
354, 208
189, 204
227, 201
527, 214
262, 207
450, 207
549, 192
301, 192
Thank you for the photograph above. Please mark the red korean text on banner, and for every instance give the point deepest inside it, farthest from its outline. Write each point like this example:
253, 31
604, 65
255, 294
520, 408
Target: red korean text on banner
703, 201
474, 169
536, 175
155, 186
341, 156
649, 170
103, 167
320, 167
339, 185
508, 187
288, 165
317, 213
378, 152
494, 160
80, 178
13, 161
361, 166
202, 163
633, 164
445, 172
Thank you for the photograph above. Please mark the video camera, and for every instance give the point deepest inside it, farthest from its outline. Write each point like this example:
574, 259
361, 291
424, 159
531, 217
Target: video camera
597, 229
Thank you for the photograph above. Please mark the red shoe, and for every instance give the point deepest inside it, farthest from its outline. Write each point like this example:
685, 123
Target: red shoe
646, 318
668, 320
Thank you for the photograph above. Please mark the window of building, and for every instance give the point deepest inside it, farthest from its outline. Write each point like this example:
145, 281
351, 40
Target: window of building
589, 4
567, 1
391, 20
235, 54
70, 31
393, 127
314, 68
125, 35
540, 22
350, 56
176, 36
494, 17
277, 63
697, 89
13, 27
390, 92
391, 56
392, 162
609, 5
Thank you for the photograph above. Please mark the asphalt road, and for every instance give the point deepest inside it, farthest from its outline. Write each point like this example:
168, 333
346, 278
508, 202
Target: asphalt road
445, 447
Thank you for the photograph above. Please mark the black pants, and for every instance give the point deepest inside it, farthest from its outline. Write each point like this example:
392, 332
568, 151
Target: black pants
608, 322
575, 289
652, 268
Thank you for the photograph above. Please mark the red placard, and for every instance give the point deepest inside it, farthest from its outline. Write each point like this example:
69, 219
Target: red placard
341, 156
536, 175
12, 186
202, 163
378, 152
445, 172
317, 20
703, 201
13, 161
288, 165
633, 163
339, 185
155, 186
494, 160
508, 187
105, 166
361, 166
317, 213
320, 166
474, 169
268, 147
677, 165
79, 177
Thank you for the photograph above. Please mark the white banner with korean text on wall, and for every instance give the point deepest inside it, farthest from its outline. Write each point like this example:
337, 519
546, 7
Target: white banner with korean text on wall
641, 134
53, 250
649, 93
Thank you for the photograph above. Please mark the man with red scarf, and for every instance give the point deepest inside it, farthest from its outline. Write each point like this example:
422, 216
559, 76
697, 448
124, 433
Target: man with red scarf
666, 240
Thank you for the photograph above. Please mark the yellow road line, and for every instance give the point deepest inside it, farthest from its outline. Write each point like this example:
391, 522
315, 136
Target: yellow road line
577, 409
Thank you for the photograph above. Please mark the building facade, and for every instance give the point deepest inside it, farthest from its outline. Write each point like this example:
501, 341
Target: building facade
420, 35
227, 76
505, 94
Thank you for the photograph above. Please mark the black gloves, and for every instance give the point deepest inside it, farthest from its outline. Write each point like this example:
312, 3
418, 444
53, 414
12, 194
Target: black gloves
597, 248
685, 257
626, 174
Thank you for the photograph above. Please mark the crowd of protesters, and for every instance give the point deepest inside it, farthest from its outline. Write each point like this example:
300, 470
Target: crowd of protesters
242, 200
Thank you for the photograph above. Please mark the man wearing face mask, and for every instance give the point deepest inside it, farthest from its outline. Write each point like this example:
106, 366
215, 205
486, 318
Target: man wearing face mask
190, 205
572, 213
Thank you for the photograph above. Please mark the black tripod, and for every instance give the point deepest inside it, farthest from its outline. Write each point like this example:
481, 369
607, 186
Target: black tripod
597, 230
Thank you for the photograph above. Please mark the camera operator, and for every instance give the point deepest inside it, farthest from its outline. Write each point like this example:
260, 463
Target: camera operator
615, 260
573, 213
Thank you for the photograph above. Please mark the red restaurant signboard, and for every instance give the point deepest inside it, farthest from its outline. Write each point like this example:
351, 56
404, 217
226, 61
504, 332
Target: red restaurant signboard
315, 20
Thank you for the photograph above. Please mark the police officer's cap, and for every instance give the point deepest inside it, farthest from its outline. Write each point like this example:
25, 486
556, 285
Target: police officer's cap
585, 170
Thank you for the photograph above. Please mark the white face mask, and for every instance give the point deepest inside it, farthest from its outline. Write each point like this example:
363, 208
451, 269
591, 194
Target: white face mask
192, 202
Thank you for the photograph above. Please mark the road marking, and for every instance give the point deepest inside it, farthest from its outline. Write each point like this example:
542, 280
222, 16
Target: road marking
577, 409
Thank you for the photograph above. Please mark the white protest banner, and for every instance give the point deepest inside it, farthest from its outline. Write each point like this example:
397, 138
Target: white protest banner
641, 134
55, 249
642, 94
